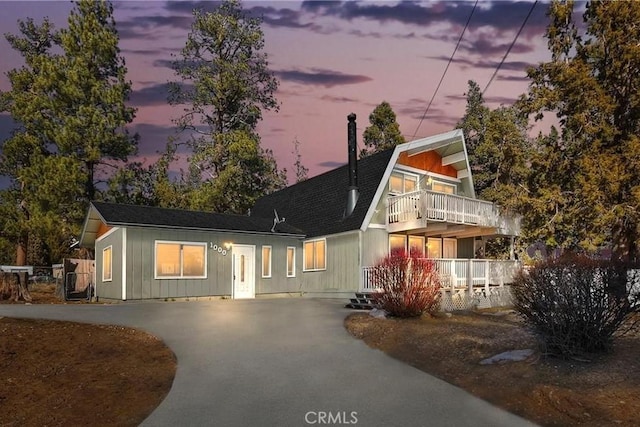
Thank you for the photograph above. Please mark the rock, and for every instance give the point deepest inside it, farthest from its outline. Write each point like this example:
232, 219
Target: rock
378, 313
508, 356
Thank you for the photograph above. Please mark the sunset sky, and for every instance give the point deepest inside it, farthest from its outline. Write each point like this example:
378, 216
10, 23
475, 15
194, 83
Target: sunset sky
331, 58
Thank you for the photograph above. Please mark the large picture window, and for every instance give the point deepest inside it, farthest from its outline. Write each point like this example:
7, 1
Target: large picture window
175, 260
291, 261
266, 261
107, 266
315, 255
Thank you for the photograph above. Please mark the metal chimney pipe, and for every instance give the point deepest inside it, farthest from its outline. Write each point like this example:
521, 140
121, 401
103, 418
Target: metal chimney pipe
353, 192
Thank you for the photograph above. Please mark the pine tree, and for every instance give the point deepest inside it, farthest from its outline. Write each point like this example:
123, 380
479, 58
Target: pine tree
383, 132
225, 85
69, 100
591, 85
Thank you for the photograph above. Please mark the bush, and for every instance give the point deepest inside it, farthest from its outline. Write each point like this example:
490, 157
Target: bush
575, 304
409, 286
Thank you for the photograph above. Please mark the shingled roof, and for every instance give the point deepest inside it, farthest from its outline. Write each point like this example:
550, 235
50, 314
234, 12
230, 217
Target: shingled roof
115, 215
317, 205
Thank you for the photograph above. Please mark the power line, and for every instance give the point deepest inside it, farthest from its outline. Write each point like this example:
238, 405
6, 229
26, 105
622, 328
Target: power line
511, 46
445, 70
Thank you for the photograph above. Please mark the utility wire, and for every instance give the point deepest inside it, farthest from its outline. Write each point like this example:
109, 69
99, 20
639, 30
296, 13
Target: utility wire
445, 70
511, 46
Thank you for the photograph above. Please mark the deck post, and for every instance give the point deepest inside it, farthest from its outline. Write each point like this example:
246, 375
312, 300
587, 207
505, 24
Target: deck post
487, 275
470, 277
454, 278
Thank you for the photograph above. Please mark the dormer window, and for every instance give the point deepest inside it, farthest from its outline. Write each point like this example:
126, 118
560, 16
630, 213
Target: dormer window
401, 183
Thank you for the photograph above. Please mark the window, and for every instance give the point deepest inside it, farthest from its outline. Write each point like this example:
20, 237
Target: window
397, 241
400, 183
106, 264
315, 257
266, 261
175, 260
291, 261
416, 245
442, 187
435, 248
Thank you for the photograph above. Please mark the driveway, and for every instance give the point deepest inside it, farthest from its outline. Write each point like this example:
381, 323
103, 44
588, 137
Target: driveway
280, 362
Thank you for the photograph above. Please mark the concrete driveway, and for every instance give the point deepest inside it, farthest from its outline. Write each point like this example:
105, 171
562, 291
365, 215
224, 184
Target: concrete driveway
280, 362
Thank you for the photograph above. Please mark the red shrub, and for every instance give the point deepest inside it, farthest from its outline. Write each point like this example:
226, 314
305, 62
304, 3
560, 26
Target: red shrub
409, 286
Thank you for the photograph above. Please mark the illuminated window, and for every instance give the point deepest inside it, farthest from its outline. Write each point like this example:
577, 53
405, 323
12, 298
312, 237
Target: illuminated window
435, 248
416, 246
442, 187
397, 242
291, 261
266, 261
402, 183
106, 264
174, 260
315, 257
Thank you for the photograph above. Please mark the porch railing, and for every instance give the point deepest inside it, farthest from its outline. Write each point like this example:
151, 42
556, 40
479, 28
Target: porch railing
461, 273
443, 207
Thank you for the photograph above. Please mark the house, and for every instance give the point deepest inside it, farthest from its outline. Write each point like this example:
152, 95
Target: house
318, 237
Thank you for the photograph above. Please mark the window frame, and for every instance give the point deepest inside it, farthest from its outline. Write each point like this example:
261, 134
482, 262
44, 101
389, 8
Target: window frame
293, 262
315, 263
181, 260
444, 184
108, 249
269, 273
403, 175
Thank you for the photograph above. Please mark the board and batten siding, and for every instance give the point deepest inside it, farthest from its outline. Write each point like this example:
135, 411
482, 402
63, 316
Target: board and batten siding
111, 289
342, 274
141, 283
375, 246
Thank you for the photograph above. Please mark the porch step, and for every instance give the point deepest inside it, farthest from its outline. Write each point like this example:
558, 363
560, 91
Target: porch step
362, 301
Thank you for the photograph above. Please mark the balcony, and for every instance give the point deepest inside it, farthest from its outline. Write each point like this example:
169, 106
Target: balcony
414, 210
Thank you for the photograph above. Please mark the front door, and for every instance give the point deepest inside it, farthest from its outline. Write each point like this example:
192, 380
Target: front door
244, 278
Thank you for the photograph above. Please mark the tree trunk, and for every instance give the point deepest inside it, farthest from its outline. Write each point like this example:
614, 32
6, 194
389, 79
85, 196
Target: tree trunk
623, 239
21, 250
13, 287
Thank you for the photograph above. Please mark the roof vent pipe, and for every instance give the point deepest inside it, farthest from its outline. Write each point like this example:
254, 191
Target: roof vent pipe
353, 193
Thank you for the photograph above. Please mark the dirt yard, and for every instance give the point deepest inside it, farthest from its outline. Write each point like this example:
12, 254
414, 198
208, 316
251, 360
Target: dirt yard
604, 391
61, 373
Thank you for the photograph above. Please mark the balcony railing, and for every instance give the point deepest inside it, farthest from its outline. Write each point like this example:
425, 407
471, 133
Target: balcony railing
461, 273
442, 207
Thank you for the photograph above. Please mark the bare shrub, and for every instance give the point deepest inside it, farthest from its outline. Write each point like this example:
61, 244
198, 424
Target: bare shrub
409, 285
576, 304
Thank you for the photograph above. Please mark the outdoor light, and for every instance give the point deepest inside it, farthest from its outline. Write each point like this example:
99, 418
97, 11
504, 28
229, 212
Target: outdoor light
227, 245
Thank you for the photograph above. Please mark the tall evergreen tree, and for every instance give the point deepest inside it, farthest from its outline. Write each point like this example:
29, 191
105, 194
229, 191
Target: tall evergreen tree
70, 105
383, 132
225, 85
591, 84
300, 169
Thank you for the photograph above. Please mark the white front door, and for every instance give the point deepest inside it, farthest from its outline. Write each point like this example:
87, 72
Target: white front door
244, 278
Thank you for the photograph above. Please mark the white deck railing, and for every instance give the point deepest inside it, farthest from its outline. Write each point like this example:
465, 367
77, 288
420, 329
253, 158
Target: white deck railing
462, 273
443, 207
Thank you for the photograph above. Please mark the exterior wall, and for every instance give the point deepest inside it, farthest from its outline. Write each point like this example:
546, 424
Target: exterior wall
342, 274
111, 289
428, 161
140, 264
375, 245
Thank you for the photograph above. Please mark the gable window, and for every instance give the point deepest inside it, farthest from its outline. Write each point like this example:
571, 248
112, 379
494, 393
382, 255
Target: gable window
400, 183
266, 261
291, 261
107, 269
315, 256
176, 260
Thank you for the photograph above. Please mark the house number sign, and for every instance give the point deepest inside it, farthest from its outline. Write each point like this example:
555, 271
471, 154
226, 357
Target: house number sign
217, 248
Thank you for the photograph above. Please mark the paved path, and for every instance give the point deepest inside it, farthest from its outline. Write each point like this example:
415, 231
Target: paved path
280, 362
